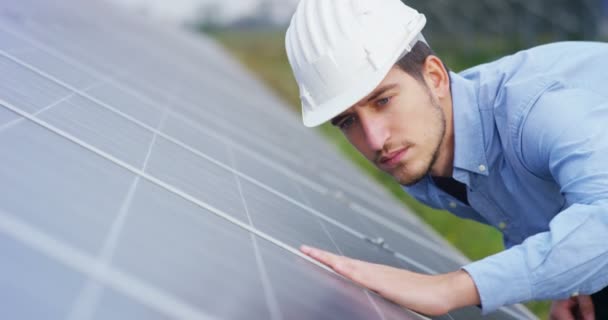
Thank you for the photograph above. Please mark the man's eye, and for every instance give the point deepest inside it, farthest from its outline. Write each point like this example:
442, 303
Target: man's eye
346, 123
382, 102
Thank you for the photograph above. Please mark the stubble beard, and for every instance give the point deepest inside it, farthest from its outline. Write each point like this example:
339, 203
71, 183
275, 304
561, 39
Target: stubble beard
401, 170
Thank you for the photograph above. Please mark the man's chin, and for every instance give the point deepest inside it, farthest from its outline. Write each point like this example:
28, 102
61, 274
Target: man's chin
410, 182
405, 179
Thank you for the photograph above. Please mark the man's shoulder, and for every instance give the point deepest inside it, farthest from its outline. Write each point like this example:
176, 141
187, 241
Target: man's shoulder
558, 75
561, 108
556, 57
574, 64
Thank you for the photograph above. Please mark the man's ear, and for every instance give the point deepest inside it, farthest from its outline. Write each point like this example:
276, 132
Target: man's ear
436, 76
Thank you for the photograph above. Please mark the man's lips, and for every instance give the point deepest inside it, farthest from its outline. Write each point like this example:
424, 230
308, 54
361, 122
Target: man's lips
392, 159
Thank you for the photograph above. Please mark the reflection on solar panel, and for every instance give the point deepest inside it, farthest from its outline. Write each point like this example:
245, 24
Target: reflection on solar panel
144, 175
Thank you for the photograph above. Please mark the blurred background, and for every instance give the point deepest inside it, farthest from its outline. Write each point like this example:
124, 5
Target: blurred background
463, 33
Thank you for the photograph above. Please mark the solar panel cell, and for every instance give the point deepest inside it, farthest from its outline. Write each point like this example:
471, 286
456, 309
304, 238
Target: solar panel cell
58, 186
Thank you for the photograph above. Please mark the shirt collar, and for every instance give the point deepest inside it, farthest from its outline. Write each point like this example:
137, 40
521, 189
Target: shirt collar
469, 147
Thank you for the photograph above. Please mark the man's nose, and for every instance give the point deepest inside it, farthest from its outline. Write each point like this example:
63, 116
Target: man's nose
375, 130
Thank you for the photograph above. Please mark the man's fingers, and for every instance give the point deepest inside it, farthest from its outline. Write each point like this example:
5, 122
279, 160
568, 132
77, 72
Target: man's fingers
562, 310
320, 255
364, 273
342, 265
585, 306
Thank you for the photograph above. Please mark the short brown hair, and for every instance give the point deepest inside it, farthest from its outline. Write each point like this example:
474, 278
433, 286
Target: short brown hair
413, 61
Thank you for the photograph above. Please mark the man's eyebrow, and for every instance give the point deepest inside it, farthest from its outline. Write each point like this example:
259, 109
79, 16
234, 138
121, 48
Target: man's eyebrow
380, 91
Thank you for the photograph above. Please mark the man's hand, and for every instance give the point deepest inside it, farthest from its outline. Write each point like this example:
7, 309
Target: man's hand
427, 294
575, 308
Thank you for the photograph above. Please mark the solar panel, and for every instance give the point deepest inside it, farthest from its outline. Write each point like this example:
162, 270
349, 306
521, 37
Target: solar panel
145, 175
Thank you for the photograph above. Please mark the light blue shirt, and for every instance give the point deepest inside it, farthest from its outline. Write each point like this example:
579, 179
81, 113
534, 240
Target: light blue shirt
531, 145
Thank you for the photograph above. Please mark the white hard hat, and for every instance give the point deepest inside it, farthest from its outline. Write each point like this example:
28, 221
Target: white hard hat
340, 50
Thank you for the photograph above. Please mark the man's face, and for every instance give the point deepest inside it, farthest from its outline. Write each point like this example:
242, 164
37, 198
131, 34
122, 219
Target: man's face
399, 127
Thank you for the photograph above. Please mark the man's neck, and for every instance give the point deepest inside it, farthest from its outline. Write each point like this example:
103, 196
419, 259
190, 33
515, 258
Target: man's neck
444, 164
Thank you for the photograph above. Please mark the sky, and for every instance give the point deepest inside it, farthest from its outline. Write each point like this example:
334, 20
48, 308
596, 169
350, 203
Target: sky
185, 10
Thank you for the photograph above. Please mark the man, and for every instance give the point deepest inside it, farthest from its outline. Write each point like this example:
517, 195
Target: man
520, 144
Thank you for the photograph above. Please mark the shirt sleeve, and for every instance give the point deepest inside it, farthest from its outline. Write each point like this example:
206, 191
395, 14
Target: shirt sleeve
565, 138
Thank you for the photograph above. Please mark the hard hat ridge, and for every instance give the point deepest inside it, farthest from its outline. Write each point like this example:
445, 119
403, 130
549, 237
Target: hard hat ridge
340, 50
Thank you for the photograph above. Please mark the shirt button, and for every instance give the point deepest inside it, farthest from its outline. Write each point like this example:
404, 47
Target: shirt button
502, 225
453, 204
482, 168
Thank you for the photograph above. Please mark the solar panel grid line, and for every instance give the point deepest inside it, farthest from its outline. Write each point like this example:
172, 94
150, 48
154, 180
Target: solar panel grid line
202, 46
270, 111
218, 83
87, 301
273, 305
432, 234
303, 206
339, 251
372, 193
88, 298
277, 152
415, 263
102, 128
8, 42
249, 139
160, 183
510, 312
367, 294
78, 65
327, 176
170, 56
277, 193
81, 262
102, 31
440, 253
313, 211
410, 235
179, 115
21, 50
181, 144
398, 226
367, 211
377, 196
251, 234
306, 200
16, 82
293, 160
146, 113
7, 116
18, 120
349, 171
103, 65
280, 168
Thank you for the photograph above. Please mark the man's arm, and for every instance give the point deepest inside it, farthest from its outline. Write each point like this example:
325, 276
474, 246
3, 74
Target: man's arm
565, 139
570, 146
427, 294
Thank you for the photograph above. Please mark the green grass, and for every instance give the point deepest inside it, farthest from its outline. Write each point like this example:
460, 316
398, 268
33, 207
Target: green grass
264, 54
